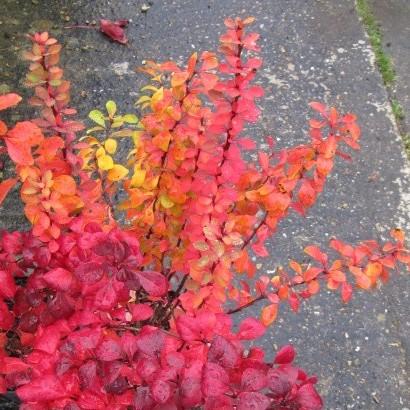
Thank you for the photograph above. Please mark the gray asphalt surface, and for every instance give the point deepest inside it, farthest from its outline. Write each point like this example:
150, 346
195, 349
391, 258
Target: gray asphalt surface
312, 50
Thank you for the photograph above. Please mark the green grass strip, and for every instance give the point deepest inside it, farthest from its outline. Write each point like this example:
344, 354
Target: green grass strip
383, 61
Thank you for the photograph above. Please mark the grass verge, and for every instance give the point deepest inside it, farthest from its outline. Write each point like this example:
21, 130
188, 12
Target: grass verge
383, 60
384, 64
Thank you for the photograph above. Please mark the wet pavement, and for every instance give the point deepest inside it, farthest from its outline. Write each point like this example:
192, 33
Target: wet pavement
312, 50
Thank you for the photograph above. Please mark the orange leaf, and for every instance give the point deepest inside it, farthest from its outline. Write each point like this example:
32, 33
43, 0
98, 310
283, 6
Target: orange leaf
312, 273
269, 313
179, 79
9, 100
296, 267
363, 281
19, 141
3, 128
316, 253
65, 184
5, 187
337, 276
313, 287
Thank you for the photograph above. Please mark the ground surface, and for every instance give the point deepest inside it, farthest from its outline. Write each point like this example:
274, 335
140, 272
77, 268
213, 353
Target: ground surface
313, 50
393, 16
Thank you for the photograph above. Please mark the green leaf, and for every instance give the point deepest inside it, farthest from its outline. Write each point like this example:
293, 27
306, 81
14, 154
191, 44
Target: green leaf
98, 117
111, 108
130, 118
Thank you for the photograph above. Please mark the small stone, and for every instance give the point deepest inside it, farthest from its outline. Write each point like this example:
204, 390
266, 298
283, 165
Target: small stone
381, 317
375, 398
34, 1
145, 8
67, 18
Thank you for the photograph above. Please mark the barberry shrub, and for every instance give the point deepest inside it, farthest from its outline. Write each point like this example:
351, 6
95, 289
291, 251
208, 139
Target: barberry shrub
122, 294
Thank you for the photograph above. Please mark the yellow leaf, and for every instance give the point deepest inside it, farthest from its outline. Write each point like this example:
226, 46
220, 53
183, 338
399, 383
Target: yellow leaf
149, 87
110, 145
158, 96
117, 172
138, 178
136, 136
111, 108
151, 183
100, 152
98, 117
157, 78
105, 162
143, 99
166, 202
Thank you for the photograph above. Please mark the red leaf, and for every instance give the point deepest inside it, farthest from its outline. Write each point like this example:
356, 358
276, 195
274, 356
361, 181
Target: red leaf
106, 297
46, 388
6, 317
223, 352
215, 380
161, 391
48, 341
5, 187
253, 379
251, 328
308, 398
108, 350
141, 311
114, 30
9, 100
7, 285
346, 292
253, 401
89, 272
150, 342
286, 355
191, 390
143, 399
153, 282
247, 143
281, 380
3, 385
59, 278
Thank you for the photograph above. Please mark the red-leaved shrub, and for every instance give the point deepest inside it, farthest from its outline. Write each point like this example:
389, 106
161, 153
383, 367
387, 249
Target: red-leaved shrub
128, 304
